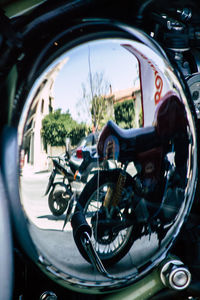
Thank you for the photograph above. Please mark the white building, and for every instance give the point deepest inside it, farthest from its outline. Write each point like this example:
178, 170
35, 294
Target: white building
42, 105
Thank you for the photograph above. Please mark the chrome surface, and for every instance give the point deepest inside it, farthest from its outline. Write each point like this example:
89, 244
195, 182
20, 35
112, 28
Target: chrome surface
194, 86
111, 70
175, 275
48, 295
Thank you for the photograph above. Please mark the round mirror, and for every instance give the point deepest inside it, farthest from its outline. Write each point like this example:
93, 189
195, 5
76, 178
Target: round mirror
106, 132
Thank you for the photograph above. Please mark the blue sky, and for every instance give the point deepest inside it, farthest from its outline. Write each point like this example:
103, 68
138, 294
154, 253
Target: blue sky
108, 56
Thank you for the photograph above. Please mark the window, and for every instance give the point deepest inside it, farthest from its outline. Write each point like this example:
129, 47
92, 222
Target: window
42, 106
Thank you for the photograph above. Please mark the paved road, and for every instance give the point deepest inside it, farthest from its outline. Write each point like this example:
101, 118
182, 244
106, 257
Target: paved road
58, 245
33, 186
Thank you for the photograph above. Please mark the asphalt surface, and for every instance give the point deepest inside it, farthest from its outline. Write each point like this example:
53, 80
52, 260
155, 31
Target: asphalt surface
58, 246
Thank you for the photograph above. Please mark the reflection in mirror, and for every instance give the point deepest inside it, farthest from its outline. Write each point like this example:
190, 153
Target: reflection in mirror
106, 143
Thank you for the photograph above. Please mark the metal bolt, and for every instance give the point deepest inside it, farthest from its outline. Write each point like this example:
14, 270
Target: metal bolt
175, 275
180, 277
48, 295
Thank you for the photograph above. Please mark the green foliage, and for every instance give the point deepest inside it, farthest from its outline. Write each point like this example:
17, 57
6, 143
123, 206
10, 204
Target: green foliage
124, 114
57, 126
77, 133
54, 133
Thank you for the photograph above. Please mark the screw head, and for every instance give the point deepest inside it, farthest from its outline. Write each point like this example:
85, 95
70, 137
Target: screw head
48, 295
175, 275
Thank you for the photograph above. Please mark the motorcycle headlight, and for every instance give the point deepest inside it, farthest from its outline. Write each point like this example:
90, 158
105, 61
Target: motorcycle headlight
97, 71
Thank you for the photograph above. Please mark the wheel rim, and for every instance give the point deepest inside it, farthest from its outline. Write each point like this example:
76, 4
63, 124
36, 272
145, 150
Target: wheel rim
59, 204
105, 251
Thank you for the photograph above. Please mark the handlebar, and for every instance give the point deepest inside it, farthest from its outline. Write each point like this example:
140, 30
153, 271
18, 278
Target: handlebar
56, 157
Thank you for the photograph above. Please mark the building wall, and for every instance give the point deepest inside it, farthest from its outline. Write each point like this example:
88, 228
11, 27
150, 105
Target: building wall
42, 105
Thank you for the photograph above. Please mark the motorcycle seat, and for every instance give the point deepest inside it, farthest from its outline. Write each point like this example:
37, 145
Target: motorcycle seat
139, 139
128, 134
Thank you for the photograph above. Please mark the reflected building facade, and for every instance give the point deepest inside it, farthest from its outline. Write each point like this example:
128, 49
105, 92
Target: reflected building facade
42, 105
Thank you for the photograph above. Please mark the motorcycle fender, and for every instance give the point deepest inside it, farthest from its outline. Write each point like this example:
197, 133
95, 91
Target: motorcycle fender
60, 184
50, 182
47, 189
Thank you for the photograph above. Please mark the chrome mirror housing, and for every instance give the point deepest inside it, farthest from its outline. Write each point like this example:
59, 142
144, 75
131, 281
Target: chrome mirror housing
137, 87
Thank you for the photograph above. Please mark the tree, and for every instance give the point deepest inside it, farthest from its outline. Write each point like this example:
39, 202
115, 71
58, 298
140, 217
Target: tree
125, 113
57, 126
96, 101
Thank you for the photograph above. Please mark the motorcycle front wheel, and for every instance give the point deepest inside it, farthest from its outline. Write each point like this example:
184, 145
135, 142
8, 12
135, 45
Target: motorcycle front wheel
58, 201
110, 247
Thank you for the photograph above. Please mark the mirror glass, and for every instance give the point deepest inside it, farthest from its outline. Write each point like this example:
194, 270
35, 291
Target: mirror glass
117, 102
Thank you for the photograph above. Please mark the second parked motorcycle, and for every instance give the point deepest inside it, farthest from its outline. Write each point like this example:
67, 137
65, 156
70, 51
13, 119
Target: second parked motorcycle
60, 189
59, 192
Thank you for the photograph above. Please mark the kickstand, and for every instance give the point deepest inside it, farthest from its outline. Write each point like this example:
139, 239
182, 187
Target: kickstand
96, 261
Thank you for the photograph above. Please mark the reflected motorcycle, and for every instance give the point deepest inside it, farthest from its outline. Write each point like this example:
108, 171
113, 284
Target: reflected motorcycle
61, 191
121, 208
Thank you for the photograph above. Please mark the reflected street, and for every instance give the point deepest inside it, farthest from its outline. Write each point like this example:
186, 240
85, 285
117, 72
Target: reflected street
59, 246
126, 153
36, 204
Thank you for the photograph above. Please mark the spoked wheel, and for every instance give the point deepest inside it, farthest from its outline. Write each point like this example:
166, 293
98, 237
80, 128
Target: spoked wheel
58, 201
110, 246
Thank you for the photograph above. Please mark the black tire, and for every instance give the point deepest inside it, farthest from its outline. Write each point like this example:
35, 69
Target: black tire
87, 202
57, 203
